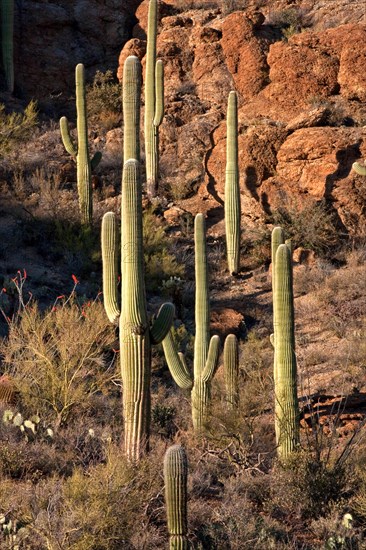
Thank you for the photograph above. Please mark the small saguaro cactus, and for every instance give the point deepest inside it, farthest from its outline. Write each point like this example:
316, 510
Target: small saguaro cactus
154, 102
84, 165
359, 168
131, 107
231, 370
7, 42
175, 479
206, 351
232, 188
285, 369
135, 333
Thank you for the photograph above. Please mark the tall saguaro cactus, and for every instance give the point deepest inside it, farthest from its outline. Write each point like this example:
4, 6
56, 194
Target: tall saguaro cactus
232, 188
154, 102
136, 334
84, 165
7, 41
175, 478
205, 350
285, 369
231, 370
131, 107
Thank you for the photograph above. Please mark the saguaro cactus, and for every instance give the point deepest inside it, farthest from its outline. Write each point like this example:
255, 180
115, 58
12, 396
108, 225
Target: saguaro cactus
205, 350
136, 334
175, 478
285, 371
7, 41
131, 108
359, 168
231, 370
84, 165
232, 188
154, 102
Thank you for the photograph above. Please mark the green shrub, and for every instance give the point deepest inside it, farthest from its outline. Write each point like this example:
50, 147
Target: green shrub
16, 128
104, 100
311, 225
56, 358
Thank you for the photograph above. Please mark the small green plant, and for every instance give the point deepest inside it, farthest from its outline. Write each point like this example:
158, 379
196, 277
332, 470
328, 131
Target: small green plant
103, 98
15, 128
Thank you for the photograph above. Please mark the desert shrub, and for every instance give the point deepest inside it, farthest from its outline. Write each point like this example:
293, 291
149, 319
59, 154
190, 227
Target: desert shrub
311, 225
57, 358
104, 100
102, 511
310, 486
290, 21
160, 263
15, 128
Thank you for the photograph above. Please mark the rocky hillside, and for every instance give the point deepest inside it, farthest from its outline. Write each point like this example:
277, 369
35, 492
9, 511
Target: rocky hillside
298, 68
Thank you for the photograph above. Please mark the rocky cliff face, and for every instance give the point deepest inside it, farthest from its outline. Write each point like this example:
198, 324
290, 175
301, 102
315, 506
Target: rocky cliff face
51, 37
302, 105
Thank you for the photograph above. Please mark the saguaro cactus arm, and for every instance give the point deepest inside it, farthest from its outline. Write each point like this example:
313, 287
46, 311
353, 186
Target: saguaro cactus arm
159, 93
110, 266
162, 324
176, 363
66, 137
175, 478
212, 360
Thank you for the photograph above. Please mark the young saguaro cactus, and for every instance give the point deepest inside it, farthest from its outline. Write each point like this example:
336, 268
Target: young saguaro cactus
175, 478
359, 168
285, 369
232, 188
231, 370
136, 333
154, 102
84, 165
7, 42
206, 351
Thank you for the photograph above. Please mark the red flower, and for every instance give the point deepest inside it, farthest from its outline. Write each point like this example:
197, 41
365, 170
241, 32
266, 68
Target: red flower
75, 279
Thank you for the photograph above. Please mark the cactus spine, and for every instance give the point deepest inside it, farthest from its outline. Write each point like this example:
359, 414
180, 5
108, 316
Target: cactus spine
131, 108
154, 102
232, 188
285, 370
231, 370
84, 165
205, 350
359, 168
135, 333
175, 478
7, 34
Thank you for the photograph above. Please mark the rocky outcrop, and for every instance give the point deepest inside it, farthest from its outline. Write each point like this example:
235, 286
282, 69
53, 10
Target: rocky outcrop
52, 37
300, 109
